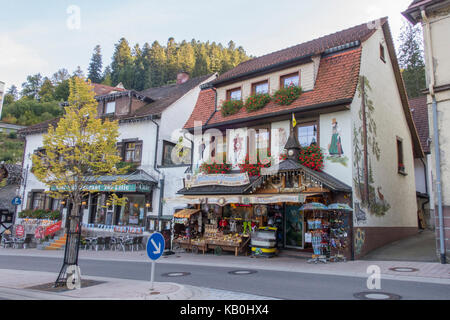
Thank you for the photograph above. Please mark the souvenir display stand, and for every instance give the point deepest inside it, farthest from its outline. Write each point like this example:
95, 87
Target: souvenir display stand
186, 229
339, 231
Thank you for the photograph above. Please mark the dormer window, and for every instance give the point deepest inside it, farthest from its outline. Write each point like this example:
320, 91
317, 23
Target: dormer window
234, 94
292, 79
110, 107
260, 87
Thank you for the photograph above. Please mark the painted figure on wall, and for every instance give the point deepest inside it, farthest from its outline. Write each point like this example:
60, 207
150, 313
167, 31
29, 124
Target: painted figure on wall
335, 148
237, 149
282, 136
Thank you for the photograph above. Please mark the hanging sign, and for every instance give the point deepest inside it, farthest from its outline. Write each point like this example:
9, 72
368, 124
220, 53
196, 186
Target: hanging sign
53, 229
20, 231
39, 232
228, 180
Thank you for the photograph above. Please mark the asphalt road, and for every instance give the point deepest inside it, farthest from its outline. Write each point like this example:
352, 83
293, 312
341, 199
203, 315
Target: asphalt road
276, 284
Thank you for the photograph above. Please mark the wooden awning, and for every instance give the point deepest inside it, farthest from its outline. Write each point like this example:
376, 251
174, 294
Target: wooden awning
186, 213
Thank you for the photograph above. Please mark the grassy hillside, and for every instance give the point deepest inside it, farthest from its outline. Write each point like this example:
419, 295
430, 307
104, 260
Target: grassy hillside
11, 148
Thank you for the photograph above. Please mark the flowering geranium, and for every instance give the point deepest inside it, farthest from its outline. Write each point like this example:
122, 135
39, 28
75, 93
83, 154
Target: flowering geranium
254, 169
257, 101
285, 96
215, 168
311, 157
230, 107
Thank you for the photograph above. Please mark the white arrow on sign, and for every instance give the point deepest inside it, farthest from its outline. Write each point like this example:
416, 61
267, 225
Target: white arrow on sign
158, 248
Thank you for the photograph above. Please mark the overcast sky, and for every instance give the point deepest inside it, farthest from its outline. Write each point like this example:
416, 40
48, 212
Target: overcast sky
41, 36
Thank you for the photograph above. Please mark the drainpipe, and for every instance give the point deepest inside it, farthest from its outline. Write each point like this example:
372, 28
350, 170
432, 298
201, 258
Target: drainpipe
161, 181
435, 137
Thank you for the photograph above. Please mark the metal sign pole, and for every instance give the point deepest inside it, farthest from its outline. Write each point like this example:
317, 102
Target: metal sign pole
152, 277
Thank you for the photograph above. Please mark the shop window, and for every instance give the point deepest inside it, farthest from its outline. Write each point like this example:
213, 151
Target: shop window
37, 200
292, 79
130, 151
133, 213
260, 87
234, 94
260, 138
55, 204
167, 153
307, 134
110, 107
400, 160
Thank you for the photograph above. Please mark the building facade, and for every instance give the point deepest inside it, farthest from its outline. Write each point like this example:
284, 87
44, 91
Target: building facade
148, 123
353, 106
434, 15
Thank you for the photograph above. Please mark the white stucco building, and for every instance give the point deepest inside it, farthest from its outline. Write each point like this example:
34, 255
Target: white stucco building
148, 125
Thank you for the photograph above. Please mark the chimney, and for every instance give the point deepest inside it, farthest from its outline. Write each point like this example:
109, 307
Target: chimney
182, 77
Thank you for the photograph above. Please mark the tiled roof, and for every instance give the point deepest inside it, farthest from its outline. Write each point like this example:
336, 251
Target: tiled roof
419, 110
163, 97
412, 13
337, 80
167, 95
313, 47
101, 89
203, 109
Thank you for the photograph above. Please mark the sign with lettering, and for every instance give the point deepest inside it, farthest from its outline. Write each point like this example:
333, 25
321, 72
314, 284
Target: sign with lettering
52, 229
228, 180
20, 231
110, 188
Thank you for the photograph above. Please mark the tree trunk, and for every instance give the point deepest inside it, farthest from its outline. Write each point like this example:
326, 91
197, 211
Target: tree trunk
72, 243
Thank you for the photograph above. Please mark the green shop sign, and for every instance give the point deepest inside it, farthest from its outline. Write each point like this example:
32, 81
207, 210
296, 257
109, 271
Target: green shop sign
110, 188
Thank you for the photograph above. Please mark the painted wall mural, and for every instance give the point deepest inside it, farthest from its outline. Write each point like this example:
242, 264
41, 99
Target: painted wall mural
335, 149
360, 238
365, 150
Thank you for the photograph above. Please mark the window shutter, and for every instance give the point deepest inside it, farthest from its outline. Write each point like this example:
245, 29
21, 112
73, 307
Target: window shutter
29, 199
138, 152
120, 150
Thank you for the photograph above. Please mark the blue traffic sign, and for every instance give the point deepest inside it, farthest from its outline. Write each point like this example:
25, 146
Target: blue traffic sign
155, 246
17, 201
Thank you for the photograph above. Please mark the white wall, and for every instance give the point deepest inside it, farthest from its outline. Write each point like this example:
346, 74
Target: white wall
338, 167
398, 190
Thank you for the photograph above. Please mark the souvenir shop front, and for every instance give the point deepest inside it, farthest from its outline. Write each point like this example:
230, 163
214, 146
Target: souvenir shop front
100, 213
294, 208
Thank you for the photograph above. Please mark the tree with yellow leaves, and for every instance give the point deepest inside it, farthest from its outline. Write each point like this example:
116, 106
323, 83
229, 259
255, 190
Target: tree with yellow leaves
80, 149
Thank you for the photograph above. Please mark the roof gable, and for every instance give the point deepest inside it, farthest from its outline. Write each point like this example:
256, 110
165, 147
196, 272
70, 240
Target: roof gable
317, 46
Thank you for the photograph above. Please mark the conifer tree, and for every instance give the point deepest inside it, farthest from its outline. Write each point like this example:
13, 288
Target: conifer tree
96, 65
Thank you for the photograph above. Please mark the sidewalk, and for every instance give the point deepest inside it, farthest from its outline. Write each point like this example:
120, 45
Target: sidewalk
426, 271
15, 285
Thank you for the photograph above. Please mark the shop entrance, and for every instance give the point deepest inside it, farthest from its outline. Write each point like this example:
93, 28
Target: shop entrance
294, 236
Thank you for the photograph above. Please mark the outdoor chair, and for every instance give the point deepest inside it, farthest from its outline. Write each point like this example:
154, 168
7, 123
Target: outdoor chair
100, 243
28, 241
114, 243
127, 242
18, 242
107, 243
7, 241
139, 244
135, 244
